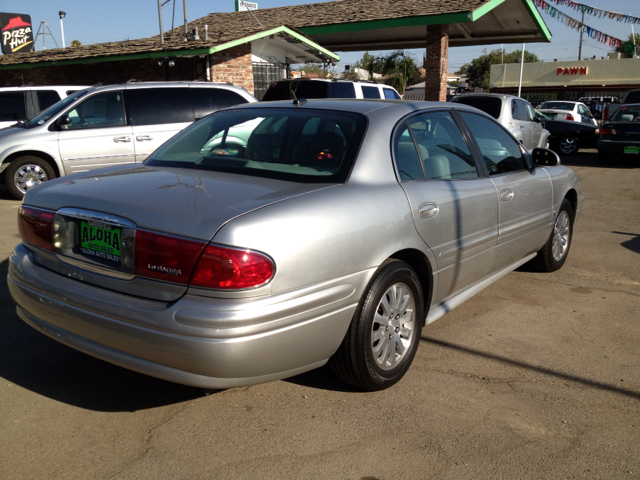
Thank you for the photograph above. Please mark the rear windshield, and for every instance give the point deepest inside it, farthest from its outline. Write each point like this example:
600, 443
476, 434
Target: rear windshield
557, 106
627, 115
309, 89
633, 97
490, 105
306, 146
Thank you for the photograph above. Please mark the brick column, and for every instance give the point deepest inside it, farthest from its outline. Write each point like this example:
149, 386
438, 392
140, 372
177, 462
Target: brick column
435, 82
233, 65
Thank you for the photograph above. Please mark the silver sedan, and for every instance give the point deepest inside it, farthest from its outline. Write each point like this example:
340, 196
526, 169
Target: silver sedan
319, 231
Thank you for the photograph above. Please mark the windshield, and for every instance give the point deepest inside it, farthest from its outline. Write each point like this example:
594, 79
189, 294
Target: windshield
627, 115
557, 106
55, 108
307, 146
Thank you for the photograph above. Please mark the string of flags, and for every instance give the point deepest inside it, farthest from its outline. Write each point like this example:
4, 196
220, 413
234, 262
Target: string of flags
576, 24
597, 12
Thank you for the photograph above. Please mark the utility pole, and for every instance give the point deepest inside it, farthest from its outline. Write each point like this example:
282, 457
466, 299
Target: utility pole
160, 20
581, 30
184, 5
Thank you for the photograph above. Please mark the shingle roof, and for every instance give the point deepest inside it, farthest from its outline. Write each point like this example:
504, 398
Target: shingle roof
232, 26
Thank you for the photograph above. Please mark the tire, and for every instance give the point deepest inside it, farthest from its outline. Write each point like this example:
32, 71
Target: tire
26, 172
552, 256
384, 334
568, 145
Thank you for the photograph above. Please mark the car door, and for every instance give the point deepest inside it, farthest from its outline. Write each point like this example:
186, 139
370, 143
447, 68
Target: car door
455, 209
524, 194
97, 134
156, 115
536, 128
517, 125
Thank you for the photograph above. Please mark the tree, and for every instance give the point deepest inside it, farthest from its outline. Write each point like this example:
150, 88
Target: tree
399, 67
324, 71
75, 43
627, 46
478, 71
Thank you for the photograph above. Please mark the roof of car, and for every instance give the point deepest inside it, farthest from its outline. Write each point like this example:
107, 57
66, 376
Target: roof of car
362, 106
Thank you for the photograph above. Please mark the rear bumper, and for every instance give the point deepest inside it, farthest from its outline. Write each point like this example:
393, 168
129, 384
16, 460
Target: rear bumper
200, 341
617, 147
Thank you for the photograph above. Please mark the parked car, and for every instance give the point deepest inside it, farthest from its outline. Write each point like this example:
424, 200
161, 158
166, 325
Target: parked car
339, 231
566, 137
566, 110
516, 114
107, 125
309, 88
19, 104
620, 136
631, 97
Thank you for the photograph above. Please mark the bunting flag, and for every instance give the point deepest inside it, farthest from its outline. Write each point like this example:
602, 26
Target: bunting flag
597, 12
571, 22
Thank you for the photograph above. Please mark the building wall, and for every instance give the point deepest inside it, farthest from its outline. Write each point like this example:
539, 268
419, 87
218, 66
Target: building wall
587, 73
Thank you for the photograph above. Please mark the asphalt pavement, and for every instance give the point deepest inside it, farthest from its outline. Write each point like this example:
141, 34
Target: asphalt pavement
537, 377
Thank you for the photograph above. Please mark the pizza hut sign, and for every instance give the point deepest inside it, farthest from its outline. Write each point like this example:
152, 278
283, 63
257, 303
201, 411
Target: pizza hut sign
572, 71
17, 33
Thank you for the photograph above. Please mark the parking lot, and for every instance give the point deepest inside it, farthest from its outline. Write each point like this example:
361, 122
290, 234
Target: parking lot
536, 377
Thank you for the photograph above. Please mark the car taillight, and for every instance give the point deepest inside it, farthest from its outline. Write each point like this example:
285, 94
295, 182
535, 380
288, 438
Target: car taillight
605, 114
229, 268
608, 131
164, 257
35, 226
570, 117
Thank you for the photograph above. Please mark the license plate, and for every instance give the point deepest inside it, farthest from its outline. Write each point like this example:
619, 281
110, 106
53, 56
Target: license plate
100, 241
632, 150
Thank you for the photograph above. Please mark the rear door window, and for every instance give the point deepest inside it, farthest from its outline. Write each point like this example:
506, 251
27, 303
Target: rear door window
370, 92
12, 106
209, 100
343, 90
157, 106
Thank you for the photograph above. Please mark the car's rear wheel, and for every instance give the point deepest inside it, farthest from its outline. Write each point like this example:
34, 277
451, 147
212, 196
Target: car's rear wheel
26, 172
568, 145
385, 331
552, 256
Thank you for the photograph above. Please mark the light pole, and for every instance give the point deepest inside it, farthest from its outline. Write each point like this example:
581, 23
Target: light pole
62, 15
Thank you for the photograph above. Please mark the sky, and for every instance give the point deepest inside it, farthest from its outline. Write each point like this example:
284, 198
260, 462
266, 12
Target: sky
99, 21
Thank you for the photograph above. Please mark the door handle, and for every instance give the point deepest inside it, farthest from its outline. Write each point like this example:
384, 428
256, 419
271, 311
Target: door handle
428, 210
142, 138
506, 194
122, 139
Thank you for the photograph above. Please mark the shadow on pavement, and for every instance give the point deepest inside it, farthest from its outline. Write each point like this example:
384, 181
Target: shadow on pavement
33, 361
322, 378
543, 370
589, 158
633, 243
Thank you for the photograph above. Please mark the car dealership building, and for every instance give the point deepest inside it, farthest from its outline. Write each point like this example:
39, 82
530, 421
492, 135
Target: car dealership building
568, 80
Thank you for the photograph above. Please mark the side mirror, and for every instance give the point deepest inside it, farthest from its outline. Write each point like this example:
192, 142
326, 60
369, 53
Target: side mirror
544, 157
63, 121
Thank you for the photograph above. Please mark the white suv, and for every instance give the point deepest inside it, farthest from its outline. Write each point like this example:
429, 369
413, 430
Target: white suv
105, 126
18, 104
309, 88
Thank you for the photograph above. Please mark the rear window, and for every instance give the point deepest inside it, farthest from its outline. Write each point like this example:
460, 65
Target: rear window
305, 146
557, 106
46, 98
390, 94
209, 100
157, 106
633, 97
626, 115
370, 92
490, 105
